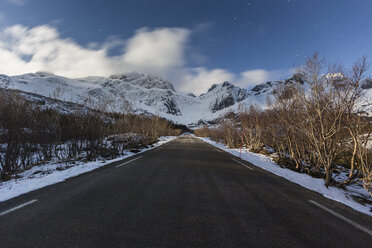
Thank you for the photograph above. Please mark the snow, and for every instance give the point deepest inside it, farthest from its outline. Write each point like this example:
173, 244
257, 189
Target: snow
306, 181
145, 93
40, 176
365, 103
149, 94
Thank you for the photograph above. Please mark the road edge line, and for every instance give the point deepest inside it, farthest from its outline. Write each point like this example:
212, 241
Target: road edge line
246, 166
129, 161
360, 227
17, 207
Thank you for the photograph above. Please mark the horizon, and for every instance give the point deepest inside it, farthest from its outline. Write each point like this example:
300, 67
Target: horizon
181, 42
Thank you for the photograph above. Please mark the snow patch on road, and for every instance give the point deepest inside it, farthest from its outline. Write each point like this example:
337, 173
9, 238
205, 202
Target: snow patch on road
306, 181
40, 176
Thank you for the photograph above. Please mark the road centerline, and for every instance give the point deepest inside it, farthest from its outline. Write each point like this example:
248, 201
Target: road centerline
129, 161
17, 207
246, 166
360, 227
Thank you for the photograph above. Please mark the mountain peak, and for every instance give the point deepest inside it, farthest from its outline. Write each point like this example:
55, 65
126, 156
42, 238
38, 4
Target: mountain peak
44, 74
212, 87
224, 84
144, 80
224, 95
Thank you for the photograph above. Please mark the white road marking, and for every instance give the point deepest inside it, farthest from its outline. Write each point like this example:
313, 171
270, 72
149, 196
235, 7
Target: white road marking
364, 229
18, 207
187, 141
246, 166
128, 161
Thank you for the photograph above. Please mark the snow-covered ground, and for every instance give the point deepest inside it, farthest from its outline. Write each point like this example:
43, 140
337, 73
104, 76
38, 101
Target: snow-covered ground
40, 176
314, 184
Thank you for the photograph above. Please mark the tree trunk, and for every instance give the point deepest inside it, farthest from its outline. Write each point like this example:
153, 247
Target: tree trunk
328, 177
352, 162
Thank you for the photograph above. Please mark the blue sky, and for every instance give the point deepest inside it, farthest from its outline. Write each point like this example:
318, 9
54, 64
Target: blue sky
193, 43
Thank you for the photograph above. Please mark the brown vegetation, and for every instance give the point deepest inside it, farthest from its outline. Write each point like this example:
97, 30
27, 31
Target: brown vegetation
313, 127
30, 136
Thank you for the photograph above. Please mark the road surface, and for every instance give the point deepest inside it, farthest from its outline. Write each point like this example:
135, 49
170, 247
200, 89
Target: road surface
185, 193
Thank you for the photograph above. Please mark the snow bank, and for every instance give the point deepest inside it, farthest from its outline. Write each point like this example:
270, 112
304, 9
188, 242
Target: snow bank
40, 176
306, 181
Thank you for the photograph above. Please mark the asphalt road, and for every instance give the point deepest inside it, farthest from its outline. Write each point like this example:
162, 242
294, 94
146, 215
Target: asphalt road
183, 194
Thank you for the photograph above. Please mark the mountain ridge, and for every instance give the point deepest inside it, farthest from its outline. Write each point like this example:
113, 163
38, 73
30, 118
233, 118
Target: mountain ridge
143, 93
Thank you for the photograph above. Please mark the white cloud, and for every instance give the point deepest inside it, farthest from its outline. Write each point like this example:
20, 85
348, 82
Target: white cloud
161, 51
198, 80
157, 50
151, 51
47, 51
17, 2
258, 76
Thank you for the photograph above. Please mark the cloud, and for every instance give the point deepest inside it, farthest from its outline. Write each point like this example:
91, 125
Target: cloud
157, 50
17, 2
257, 76
162, 51
204, 26
150, 51
47, 51
198, 80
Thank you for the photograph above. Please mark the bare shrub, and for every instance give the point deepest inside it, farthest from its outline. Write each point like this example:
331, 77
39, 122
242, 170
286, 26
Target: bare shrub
312, 125
30, 136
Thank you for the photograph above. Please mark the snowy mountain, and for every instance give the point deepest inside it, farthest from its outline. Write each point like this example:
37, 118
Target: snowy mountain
366, 104
43, 102
140, 93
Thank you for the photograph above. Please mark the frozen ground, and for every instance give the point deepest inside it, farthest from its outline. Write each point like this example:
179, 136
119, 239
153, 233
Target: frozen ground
40, 176
314, 184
